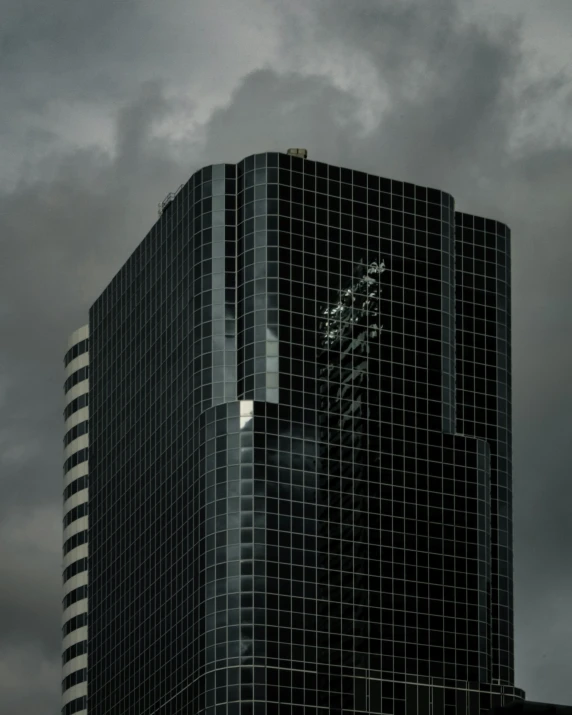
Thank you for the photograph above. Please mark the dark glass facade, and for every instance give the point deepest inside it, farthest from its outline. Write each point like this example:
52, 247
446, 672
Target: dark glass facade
299, 454
484, 401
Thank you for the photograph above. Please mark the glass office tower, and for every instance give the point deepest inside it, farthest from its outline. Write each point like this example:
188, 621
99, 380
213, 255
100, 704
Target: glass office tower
299, 458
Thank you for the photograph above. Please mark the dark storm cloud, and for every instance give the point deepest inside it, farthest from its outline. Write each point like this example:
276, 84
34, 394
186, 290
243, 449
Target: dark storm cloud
66, 229
65, 50
63, 239
271, 112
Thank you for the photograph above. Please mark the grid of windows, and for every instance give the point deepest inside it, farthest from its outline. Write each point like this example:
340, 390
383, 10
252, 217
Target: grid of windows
282, 517
170, 313
484, 399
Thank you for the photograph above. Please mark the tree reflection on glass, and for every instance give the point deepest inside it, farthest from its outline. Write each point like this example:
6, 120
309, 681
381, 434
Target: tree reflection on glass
351, 330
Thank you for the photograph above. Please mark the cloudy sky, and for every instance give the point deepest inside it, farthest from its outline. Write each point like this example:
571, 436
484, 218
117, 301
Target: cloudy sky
107, 106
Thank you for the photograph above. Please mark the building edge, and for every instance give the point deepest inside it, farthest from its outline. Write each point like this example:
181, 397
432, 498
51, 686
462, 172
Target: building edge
75, 524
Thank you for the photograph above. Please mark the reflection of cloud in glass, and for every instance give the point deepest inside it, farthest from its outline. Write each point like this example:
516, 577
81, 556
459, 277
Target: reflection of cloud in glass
246, 412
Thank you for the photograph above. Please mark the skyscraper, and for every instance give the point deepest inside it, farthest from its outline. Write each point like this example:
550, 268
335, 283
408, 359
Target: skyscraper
299, 455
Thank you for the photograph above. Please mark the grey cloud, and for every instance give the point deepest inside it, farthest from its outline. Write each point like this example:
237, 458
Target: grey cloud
63, 238
271, 112
68, 227
64, 235
74, 45
31, 586
449, 82
30, 682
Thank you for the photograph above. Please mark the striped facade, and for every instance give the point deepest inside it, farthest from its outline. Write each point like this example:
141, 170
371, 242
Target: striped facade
75, 525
